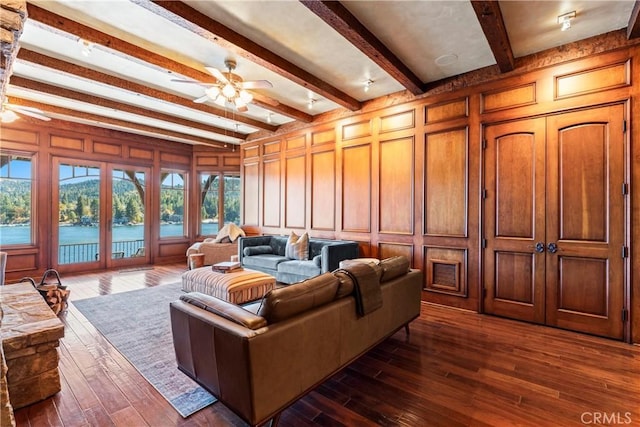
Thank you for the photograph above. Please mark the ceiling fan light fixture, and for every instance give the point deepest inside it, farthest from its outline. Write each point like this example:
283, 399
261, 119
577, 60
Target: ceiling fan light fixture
239, 103
229, 91
221, 101
212, 92
8, 116
245, 96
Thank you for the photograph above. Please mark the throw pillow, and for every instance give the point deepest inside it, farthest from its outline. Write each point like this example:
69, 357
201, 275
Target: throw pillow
297, 247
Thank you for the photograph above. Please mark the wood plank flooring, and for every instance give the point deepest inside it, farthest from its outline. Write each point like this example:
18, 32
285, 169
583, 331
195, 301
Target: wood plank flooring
455, 369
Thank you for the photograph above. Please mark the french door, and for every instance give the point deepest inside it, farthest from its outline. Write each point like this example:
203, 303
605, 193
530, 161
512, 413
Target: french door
554, 221
101, 213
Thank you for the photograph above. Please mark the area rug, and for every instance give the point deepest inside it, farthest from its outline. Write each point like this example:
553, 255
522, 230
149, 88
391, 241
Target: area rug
137, 324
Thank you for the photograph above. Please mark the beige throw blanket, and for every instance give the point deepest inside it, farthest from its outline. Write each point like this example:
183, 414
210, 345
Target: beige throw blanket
366, 287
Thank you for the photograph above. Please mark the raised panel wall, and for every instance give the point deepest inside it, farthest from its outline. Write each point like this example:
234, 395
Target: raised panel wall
271, 185
356, 188
323, 190
251, 194
396, 186
361, 181
446, 183
295, 192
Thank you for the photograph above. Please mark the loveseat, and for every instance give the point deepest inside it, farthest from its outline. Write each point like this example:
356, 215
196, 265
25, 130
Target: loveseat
267, 254
259, 359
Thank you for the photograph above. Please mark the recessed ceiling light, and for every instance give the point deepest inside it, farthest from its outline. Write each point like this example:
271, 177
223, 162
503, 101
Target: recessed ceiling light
446, 59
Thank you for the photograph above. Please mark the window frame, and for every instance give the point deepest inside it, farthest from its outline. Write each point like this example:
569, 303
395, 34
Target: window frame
33, 214
185, 201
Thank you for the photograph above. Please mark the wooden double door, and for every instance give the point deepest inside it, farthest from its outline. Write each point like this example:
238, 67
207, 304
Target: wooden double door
554, 221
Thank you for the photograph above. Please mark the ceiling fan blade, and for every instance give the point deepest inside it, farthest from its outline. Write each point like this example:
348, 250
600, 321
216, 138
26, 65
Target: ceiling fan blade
24, 108
242, 109
256, 84
217, 74
185, 81
201, 99
31, 114
194, 82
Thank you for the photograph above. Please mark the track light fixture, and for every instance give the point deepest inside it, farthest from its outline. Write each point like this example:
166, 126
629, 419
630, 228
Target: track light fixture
86, 46
565, 20
310, 103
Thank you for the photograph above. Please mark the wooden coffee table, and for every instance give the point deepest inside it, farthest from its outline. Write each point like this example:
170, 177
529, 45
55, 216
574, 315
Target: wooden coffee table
237, 287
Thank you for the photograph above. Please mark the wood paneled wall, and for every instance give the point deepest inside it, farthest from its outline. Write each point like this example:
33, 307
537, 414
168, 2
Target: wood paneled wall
49, 140
407, 179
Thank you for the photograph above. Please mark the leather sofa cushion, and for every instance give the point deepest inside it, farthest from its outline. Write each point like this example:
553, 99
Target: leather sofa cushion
283, 303
393, 267
224, 309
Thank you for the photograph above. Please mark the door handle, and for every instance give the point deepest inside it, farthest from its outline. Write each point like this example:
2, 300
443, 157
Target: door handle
553, 248
539, 247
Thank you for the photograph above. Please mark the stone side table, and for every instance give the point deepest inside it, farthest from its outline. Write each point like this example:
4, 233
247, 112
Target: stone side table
30, 334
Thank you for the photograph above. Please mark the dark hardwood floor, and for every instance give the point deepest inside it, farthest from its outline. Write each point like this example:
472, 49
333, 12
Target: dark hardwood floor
456, 369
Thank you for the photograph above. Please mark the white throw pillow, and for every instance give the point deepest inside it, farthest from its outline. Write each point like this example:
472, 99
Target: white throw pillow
297, 247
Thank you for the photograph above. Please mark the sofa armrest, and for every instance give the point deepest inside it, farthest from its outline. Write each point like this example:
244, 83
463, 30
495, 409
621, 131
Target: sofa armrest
245, 242
225, 309
334, 253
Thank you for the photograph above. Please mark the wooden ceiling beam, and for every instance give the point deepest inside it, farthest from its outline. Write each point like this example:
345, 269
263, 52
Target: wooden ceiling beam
87, 73
66, 112
125, 48
349, 27
190, 19
633, 28
107, 103
490, 18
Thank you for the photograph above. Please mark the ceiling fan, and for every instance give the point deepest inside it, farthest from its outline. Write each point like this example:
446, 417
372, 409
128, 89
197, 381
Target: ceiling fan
229, 88
10, 112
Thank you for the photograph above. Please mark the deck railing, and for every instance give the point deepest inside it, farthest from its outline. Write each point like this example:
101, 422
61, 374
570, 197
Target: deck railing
88, 252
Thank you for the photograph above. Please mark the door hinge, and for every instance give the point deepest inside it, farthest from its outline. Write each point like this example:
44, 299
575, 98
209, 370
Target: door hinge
624, 126
484, 193
484, 144
484, 293
625, 188
625, 314
484, 243
625, 252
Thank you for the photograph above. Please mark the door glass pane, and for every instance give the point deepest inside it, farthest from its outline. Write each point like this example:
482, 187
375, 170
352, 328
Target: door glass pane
128, 209
15, 200
79, 213
172, 204
209, 198
232, 199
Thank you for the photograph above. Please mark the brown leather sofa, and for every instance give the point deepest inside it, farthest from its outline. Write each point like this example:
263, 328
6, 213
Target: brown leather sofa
259, 359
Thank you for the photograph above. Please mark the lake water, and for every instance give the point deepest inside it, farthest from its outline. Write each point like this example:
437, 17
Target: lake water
70, 235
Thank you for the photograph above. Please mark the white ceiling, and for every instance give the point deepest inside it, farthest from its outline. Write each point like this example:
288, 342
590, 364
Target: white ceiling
434, 39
